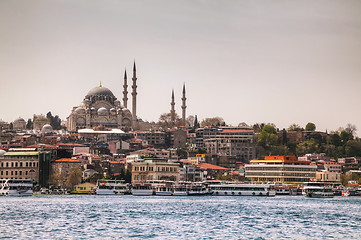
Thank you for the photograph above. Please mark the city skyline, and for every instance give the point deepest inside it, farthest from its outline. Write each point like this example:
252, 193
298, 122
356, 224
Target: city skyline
269, 61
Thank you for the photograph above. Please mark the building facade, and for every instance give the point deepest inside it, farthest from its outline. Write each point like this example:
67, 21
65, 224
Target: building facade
280, 169
154, 169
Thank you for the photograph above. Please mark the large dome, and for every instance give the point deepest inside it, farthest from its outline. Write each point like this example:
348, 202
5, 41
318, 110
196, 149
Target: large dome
100, 91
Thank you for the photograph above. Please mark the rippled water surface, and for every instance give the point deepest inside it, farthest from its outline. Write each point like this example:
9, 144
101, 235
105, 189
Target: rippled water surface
131, 217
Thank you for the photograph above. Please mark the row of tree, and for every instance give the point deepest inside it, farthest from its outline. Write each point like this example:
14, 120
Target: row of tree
340, 143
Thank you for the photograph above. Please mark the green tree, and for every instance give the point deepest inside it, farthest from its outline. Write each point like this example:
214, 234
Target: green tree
310, 127
345, 136
267, 137
353, 148
294, 127
74, 177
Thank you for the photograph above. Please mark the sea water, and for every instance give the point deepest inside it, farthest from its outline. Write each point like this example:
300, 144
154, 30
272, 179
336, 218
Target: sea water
161, 217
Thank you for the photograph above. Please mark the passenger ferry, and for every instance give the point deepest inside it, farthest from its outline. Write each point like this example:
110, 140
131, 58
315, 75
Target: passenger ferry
198, 189
317, 190
180, 189
16, 187
111, 187
142, 189
161, 187
240, 189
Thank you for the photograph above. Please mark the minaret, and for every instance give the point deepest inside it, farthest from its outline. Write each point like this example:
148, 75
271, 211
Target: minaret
184, 105
134, 95
172, 111
125, 91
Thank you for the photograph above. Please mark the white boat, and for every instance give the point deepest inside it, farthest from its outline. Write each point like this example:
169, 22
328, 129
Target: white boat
142, 189
16, 187
317, 190
180, 189
240, 189
197, 189
111, 187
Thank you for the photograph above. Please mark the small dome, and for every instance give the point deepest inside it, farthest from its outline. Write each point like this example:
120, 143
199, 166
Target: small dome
112, 109
92, 109
47, 128
80, 110
2, 152
126, 110
100, 91
19, 120
102, 111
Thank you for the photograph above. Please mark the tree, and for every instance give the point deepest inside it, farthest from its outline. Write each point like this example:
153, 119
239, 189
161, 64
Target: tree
268, 136
345, 136
196, 123
350, 128
165, 120
29, 124
310, 127
214, 121
189, 121
55, 122
74, 177
11, 126
294, 127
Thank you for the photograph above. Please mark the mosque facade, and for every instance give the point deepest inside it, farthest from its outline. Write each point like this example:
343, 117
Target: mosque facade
101, 108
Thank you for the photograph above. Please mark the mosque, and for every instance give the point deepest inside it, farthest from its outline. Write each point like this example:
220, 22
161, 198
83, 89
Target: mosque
101, 108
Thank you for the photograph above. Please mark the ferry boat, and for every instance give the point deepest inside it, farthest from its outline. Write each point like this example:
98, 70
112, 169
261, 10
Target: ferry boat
111, 187
161, 187
241, 189
16, 187
197, 189
317, 190
142, 189
180, 189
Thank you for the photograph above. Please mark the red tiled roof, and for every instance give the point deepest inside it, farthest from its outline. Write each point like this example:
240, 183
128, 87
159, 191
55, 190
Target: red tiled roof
113, 162
67, 160
210, 166
41, 145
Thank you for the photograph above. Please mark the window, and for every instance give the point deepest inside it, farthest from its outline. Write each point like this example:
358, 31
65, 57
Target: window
21, 164
20, 173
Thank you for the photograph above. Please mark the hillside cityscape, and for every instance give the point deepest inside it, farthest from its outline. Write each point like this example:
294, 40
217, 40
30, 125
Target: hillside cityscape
103, 139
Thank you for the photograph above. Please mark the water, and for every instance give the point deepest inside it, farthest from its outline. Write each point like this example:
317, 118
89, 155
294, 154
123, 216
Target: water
154, 217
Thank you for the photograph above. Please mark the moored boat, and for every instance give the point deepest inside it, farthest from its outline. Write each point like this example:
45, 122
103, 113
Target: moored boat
240, 189
111, 187
16, 187
317, 190
142, 189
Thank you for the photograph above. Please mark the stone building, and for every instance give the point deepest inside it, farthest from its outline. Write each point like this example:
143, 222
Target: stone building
26, 164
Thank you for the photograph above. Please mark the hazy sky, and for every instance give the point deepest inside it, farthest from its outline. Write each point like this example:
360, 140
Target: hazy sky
247, 61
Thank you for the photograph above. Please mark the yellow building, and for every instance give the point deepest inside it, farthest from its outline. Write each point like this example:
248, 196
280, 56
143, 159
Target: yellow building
85, 188
154, 169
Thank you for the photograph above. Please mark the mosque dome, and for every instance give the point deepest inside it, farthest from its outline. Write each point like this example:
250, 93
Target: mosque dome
80, 110
19, 120
47, 128
92, 109
2, 152
102, 111
100, 91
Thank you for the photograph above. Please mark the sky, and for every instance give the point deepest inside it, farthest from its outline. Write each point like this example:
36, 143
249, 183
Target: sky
280, 62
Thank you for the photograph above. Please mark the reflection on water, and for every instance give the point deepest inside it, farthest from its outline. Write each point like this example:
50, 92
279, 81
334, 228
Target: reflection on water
104, 217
